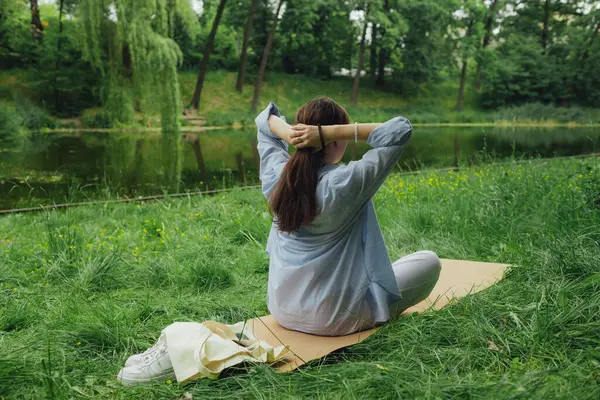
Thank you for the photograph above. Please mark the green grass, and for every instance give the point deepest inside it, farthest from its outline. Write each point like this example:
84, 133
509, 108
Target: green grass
221, 104
436, 103
83, 289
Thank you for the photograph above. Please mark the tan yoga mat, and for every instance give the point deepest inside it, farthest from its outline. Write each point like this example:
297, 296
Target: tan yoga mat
457, 279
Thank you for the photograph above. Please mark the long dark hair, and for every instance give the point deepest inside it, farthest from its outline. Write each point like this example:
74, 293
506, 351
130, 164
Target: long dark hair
294, 200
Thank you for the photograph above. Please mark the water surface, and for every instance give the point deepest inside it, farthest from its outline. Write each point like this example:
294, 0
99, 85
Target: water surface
47, 168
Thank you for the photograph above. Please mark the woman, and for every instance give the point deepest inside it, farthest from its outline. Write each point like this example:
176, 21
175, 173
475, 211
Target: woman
329, 272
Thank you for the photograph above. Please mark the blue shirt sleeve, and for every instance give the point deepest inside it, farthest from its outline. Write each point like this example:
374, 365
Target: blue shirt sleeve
272, 150
356, 183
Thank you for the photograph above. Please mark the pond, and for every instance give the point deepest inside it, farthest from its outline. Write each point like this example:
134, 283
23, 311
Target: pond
47, 168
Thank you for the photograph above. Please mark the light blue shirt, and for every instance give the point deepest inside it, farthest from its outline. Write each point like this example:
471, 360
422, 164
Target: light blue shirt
334, 276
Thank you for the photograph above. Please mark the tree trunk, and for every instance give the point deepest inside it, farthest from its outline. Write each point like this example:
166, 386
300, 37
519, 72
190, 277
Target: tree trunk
586, 52
381, 72
247, 30
361, 57
373, 52
207, 50
461, 89
489, 23
36, 23
463, 73
545, 26
57, 64
264, 59
383, 54
478, 76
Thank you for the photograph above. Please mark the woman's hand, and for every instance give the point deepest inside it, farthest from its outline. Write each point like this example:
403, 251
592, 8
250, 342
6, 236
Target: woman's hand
305, 136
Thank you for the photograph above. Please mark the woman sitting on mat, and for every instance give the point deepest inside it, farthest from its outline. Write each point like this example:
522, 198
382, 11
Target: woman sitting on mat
329, 272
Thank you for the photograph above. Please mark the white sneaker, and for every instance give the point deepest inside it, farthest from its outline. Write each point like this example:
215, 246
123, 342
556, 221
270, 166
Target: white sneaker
155, 365
138, 359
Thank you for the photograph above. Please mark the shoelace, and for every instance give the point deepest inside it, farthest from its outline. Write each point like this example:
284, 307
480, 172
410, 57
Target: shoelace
155, 352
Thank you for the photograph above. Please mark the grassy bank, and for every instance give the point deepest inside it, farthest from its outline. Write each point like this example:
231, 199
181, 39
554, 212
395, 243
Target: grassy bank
83, 289
221, 104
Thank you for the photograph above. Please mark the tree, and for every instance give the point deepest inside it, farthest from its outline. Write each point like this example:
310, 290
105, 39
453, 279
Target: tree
243, 57
463, 73
207, 50
373, 50
489, 26
317, 38
545, 25
391, 30
540, 54
426, 48
472, 10
361, 57
264, 59
61, 9
37, 29
16, 47
138, 63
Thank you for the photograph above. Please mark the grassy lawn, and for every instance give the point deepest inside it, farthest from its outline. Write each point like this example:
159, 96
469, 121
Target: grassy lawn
221, 104
83, 289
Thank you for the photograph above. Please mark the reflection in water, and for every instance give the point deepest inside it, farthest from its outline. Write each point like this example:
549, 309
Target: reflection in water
171, 162
47, 168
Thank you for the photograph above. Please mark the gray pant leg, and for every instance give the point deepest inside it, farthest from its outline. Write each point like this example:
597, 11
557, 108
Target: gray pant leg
416, 275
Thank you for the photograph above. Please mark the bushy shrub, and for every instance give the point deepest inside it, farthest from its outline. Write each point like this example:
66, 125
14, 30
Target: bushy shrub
17, 48
33, 118
21, 115
64, 82
96, 120
11, 122
519, 71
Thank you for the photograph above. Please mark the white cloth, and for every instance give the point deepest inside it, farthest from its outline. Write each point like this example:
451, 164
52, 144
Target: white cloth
205, 349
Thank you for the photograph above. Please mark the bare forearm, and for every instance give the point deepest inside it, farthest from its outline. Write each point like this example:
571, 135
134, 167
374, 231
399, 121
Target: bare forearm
332, 133
280, 128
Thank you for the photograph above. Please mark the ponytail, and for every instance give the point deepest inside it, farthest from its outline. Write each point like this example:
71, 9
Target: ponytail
294, 200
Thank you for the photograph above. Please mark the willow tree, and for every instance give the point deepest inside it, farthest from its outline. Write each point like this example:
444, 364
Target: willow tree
128, 43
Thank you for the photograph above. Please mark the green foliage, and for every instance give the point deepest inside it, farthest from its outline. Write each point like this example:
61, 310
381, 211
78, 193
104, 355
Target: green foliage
33, 117
20, 116
549, 62
17, 48
124, 54
517, 72
425, 48
318, 37
142, 60
97, 120
11, 122
64, 82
